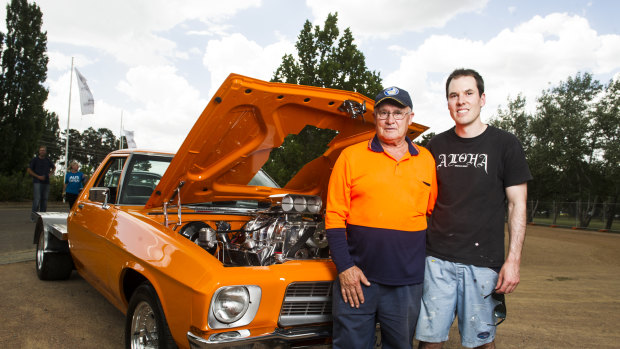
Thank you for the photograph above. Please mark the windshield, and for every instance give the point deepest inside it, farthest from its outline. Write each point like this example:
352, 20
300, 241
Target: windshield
143, 175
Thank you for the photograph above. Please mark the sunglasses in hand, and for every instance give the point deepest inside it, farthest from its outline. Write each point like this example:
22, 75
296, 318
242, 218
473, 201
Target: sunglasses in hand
499, 312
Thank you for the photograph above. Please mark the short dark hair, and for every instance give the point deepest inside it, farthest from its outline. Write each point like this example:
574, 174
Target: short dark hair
457, 73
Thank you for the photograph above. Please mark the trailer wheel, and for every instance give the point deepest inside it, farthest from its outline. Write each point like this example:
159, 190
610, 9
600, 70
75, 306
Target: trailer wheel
52, 265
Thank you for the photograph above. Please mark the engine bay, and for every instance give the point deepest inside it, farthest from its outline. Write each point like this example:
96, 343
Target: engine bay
292, 228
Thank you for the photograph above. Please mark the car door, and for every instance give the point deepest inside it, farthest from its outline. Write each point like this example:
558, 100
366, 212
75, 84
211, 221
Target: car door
90, 222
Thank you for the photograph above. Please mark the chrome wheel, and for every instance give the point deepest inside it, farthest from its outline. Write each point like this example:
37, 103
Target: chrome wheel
144, 327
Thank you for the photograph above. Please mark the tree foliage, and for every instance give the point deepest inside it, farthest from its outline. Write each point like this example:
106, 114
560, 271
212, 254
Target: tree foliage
326, 59
571, 142
90, 147
423, 141
323, 59
23, 118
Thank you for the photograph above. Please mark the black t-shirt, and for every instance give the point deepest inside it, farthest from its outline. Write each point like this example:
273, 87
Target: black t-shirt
467, 225
42, 167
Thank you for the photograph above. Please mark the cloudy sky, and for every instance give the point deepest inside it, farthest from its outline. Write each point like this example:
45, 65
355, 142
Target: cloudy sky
158, 62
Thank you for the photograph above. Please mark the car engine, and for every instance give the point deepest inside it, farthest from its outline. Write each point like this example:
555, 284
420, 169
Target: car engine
292, 229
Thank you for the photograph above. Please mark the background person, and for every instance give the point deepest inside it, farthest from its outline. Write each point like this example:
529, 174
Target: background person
74, 182
379, 195
40, 168
479, 168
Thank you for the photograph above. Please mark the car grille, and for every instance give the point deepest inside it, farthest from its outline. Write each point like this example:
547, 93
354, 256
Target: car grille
307, 303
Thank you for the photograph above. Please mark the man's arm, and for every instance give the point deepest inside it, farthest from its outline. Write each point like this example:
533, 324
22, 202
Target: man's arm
33, 174
509, 275
337, 210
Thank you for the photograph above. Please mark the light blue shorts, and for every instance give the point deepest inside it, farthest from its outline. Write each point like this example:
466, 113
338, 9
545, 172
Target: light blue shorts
455, 288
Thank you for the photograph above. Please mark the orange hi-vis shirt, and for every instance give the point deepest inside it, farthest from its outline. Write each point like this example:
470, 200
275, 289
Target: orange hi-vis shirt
376, 211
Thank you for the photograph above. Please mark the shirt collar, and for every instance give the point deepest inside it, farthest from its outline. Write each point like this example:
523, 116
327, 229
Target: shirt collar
376, 146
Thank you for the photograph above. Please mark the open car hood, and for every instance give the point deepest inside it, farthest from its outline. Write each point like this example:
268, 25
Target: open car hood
245, 120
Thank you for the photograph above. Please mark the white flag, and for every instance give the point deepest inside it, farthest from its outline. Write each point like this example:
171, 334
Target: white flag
87, 102
129, 138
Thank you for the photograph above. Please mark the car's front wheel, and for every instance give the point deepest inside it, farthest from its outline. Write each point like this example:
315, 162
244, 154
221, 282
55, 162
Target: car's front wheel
52, 265
146, 325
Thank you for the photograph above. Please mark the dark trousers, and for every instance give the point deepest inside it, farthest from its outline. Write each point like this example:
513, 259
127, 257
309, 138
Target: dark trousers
71, 198
396, 308
40, 193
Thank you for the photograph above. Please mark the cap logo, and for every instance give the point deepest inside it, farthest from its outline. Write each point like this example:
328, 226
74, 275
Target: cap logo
391, 91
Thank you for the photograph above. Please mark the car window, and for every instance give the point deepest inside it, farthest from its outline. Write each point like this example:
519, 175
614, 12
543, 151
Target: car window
142, 176
110, 176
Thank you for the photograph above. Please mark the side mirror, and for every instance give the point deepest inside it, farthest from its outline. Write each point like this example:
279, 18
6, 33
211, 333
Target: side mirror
99, 194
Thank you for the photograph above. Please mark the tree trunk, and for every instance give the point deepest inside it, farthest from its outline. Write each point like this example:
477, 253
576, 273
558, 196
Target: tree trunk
586, 215
611, 212
533, 212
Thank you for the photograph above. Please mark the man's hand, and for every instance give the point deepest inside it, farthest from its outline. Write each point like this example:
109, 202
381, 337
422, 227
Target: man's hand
350, 287
508, 278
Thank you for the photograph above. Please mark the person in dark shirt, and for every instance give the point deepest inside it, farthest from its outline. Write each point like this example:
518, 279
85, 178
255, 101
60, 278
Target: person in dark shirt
380, 193
40, 168
481, 171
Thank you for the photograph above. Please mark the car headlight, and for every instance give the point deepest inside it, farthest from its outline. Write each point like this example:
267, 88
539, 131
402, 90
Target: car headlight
231, 303
234, 306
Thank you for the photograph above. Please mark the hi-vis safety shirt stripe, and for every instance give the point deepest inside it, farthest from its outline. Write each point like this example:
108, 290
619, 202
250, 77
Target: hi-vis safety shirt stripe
384, 203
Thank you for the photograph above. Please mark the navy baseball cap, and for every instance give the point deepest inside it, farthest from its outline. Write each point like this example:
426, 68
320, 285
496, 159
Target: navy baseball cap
396, 94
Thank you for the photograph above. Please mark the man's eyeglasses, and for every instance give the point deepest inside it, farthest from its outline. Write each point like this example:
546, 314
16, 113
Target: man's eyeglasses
499, 312
398, 115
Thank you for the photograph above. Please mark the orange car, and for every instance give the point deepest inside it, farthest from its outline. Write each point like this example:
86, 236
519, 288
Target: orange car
222, 244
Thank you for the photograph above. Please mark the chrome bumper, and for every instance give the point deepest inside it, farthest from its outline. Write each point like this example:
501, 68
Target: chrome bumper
280, 338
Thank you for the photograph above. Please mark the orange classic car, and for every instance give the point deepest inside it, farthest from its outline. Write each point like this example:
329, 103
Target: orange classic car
222, 244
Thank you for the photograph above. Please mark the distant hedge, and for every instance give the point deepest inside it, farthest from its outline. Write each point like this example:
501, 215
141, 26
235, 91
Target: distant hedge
18, 187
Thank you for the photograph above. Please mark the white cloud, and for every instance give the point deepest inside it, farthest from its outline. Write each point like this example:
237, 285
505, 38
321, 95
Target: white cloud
237, 54
170, 106
129, 30
59, 61
381, 19
523, 60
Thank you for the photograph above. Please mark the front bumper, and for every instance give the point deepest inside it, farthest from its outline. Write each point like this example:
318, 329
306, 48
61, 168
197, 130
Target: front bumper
305, 337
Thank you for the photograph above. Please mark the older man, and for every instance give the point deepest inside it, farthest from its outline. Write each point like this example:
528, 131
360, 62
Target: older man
380, 193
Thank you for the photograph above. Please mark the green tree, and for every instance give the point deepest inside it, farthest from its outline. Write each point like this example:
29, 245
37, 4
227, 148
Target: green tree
423, 141
92, 146
607, 126
564, 136
515, 119
50, 137
323, 59
76, 149
326, 60
22, 94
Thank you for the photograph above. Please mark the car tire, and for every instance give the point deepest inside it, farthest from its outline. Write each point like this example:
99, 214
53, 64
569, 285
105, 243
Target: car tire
52, 265
146, 325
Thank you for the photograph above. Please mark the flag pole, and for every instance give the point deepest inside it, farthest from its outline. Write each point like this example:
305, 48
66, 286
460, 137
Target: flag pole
68, 119
120, 135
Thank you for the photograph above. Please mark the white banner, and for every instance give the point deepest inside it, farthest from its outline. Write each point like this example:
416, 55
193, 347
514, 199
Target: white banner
87, 102
129, 138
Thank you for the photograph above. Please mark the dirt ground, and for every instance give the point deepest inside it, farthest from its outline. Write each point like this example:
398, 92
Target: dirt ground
569, 297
